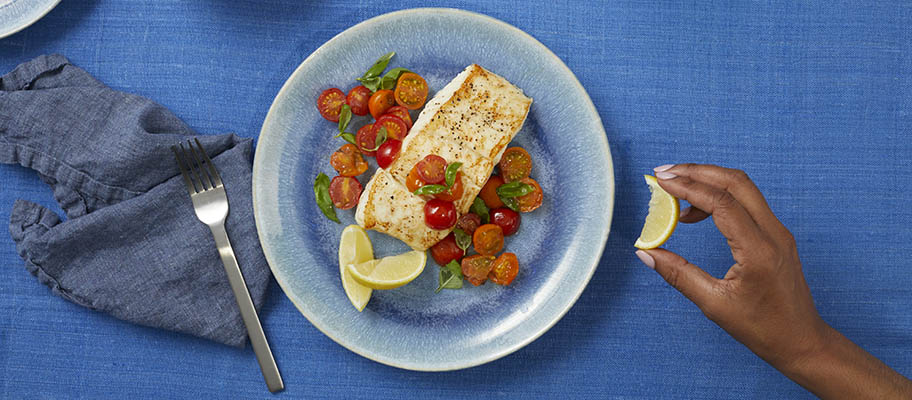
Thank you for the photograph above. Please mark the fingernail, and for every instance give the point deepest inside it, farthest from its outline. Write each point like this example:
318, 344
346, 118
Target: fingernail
665, 175
684, 212
661, 168
646, 259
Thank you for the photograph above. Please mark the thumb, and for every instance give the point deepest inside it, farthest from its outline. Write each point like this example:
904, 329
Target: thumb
693, 282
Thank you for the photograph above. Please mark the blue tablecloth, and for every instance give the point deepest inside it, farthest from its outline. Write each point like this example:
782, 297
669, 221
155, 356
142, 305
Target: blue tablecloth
812, 99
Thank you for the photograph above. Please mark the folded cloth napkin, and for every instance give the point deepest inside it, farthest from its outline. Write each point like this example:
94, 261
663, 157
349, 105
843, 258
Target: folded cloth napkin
131, 245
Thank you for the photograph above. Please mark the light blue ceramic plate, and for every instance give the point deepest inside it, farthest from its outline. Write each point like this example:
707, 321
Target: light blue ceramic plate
558, 245
16, 15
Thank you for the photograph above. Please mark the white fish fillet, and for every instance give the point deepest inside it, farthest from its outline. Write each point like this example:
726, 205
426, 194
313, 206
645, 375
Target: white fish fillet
470, 120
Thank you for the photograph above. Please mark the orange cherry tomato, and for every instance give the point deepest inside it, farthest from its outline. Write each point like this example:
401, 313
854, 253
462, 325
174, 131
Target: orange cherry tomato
411, 91
344, 192
488, 239
379, 102
395, 127
489, 192
515, 164
347, 161
402, 113
475, 268
455, 192
532, 200
413, 181
329, 104
504, 269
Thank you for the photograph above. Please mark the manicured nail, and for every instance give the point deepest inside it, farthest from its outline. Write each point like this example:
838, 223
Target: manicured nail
685, 211
646, 259
665, 175
661, 168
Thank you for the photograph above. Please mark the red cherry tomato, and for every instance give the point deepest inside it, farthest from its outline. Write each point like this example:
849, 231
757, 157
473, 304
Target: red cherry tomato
344, 192
439, 214
532, 200
379, 102
357, 99
402, 113
330, 104
455, 192
488, 239
347, 161
413, 181
388, 152
489, 192
366, 139
411, 91
475, 268
515, 164
504, 269
395, 127
469, 223
506, 219
432, 169
446, 250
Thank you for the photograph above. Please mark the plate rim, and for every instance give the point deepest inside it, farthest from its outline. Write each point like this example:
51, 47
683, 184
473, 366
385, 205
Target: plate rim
506, 350
51, 4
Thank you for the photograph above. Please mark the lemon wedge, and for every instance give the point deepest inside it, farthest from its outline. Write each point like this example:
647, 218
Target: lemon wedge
354, 248
389, 272
662, 218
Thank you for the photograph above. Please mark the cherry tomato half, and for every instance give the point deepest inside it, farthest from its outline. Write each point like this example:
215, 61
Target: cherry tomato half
488, 239
489, 192
506, 219
475, 268
357, 99
344, 192
432, 169
402, 113
366, 139
388, 152
455, 192
439, 214
515, 164
411, 91
446, 250
379, 102
395, 127
413, 181
532, 200
504, 269
347, 161
330, 104
469, 223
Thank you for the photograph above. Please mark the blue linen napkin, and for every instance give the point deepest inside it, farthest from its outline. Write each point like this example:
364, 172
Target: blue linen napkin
131, 245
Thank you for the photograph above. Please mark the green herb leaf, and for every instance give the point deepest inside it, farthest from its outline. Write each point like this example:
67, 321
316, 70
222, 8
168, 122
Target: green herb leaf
378, 67
514, 189
348, 137
345, 117
430, 189
463, 240
379, 140
511, 203
321, 193
389, 79
450, 173
479, 208
450, 277
371, 83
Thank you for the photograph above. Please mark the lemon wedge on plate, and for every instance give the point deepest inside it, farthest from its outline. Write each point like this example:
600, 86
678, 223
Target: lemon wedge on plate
389, 272
354, 248
662, 219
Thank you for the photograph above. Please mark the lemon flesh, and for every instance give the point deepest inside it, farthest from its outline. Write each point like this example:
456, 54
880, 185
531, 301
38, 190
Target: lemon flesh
389, 272
354, 248
662, 219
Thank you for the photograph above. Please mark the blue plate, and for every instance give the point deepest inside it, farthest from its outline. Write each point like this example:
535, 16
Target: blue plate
16, 15
558, 245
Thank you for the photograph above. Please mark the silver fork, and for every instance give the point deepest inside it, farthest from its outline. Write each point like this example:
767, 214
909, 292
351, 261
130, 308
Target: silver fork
211, 205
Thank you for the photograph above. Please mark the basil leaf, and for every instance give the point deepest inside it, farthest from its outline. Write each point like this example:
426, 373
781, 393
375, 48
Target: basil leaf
479, 207
379, 140
430, 189
450, 173
348, 137
371, 83
389, 79
345, 117
321, 193
450, 277
514, 189
463, 240
511, 203
378, 67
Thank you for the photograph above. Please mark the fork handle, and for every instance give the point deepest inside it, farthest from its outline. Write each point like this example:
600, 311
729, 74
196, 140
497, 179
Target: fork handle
248, 312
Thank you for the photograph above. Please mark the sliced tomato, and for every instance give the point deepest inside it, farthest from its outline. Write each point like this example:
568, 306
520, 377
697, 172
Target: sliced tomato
446, 250
455, 192
515, 164
439, 214
432, 169
413, 181
506, 219
402, 113
411, 91
489, 192
395, 127
469, 223
344, 192
388, 152
357, 99
379, 102
532, 200
366, 139
329, 104
488, 239
475, 268
504, 269
347, 161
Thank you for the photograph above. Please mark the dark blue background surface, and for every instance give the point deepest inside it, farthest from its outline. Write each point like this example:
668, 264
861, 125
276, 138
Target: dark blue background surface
813, 100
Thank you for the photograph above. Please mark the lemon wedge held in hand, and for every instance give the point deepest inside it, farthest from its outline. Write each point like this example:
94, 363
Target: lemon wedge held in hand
389, 272
354, 248
662, 219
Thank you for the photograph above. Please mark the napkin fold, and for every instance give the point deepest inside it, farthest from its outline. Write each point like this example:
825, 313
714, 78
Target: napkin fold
131, 244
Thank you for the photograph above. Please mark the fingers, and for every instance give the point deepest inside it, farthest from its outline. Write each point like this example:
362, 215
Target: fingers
693, 282
692, 214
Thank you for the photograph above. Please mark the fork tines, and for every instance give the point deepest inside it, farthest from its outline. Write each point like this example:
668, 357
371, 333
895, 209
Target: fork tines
196, 167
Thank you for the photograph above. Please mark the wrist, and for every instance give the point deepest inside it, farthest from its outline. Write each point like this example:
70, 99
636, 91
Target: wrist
813, 350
